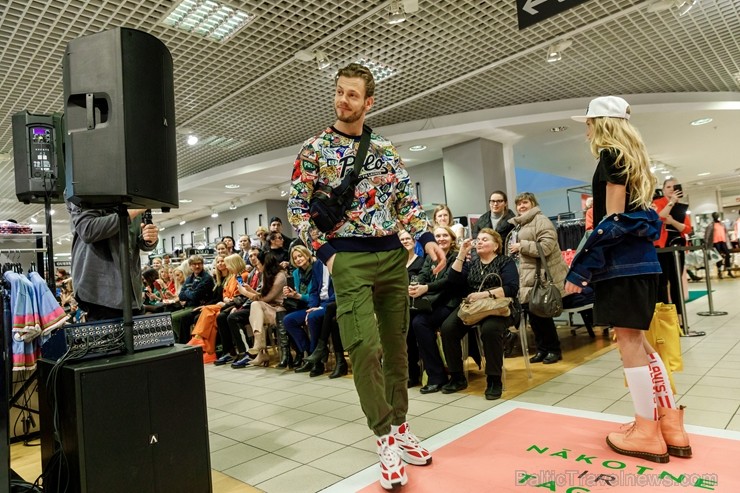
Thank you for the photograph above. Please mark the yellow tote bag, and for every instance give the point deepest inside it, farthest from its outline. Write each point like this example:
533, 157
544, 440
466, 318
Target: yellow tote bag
665, 337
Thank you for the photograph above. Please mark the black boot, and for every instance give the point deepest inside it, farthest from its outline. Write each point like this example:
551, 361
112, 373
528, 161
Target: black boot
320, 353
286, 359
341, 367
298, 360
318, 369
306, 367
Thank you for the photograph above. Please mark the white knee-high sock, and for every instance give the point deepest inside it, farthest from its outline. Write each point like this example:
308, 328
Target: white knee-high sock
640, 384
661, 382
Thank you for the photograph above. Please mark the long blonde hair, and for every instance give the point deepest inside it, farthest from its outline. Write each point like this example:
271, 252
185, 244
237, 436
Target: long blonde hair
631, 155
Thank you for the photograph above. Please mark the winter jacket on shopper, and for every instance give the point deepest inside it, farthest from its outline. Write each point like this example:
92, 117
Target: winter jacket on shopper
535, 227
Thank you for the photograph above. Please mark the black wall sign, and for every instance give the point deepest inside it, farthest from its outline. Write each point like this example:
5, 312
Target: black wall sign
533, 11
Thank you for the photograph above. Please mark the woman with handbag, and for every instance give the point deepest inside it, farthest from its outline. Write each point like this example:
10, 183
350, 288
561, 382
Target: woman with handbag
621, 263
265, 306
533, 229
440, 300
205, 330
490, 275
295, 302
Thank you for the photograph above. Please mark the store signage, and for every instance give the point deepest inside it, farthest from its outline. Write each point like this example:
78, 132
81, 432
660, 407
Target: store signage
531, 12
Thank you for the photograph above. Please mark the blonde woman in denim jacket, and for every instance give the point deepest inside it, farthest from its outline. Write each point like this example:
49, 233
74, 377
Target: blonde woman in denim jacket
620, 260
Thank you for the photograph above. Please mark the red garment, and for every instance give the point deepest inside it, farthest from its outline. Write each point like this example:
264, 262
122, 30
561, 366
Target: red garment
659, 204
589, 219
720, 234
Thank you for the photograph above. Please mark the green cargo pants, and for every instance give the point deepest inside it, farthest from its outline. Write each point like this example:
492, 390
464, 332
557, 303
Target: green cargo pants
373, 314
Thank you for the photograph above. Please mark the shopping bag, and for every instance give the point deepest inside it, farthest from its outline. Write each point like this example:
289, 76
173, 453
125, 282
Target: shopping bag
665, 337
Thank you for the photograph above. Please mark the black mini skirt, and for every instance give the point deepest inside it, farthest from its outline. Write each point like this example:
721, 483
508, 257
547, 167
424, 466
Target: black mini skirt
626, 302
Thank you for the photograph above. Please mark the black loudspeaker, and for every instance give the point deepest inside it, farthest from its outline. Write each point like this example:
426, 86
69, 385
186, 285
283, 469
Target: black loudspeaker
133, 423
38, 157
119, 105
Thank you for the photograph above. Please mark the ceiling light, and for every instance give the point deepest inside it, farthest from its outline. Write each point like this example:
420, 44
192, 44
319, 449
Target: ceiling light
192, 139
214, 214
555, 51
736, 77
665, 171
396, 13
34, 220
283, 193
561, 128
162, 228
686, 6
185, 201
232, 206
207, 18
701, 121
322, 61
704, 174
182, 223
417, 148
52, 212
232, 185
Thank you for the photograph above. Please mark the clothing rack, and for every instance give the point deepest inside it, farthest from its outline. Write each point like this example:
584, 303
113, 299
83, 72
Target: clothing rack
570, 232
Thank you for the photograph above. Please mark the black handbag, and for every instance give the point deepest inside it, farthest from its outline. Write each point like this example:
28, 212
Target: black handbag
545, 300
329, 205
293, 305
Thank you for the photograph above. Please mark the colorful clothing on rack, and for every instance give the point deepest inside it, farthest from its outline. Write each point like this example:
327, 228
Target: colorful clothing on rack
51, 314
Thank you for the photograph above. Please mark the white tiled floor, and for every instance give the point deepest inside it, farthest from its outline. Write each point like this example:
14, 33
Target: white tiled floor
281, 431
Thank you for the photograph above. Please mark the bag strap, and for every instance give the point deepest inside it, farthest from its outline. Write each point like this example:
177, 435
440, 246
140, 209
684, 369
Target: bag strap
542, 260
362, 150
500, 281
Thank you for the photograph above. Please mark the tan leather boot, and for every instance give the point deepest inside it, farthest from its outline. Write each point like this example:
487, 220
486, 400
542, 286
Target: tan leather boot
643, 439
674, 434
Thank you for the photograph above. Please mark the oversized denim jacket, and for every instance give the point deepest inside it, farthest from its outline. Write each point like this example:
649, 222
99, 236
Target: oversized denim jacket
620, 245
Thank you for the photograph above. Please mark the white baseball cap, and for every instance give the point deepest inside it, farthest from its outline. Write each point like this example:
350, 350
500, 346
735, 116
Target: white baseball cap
611, 106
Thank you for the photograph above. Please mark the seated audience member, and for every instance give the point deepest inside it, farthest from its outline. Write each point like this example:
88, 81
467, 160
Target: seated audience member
278, 247
206, 329
467, 276
434, 289
533, 228
413, 266
168, 283
414, 262
167, 260
276, 226
321, 294
153, 291
261, 238
179, 275
295, 299
497, 217
263, 310
157, 263
230, 245
442, 216
238, 319
245, 244
197, 291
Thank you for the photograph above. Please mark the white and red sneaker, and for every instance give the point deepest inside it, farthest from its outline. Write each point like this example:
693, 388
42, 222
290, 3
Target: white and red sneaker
392, 470
411, 451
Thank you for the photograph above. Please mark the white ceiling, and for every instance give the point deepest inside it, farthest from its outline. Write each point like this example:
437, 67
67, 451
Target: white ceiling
464, 71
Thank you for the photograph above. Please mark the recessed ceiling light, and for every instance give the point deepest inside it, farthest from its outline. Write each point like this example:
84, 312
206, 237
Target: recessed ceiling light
214, 214
561, 128
665, 171
232, 185
192, 139
185, 201
417, 148
207, 18
701, 121
52, 212
704, 174
182, 223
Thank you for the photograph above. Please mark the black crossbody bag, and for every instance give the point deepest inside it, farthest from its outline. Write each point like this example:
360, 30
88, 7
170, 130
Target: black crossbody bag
329, 205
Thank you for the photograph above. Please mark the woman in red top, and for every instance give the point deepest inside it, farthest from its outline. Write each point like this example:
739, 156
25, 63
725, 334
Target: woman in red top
674, 233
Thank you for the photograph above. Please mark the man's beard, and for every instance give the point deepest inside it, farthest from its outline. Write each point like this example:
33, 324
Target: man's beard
351, 118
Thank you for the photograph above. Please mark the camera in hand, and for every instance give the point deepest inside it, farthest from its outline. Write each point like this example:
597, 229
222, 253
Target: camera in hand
677, 187
148, 216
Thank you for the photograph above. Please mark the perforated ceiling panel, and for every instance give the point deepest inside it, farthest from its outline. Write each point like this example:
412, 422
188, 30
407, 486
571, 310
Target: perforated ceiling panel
250, 95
